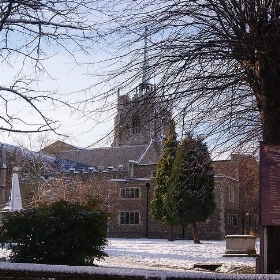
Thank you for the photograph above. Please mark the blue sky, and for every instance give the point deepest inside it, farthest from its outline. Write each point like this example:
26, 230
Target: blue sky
66, 78
67, 60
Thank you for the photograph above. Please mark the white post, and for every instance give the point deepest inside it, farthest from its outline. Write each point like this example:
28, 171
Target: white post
16, 204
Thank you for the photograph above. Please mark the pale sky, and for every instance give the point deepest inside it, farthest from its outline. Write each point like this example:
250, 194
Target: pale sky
67, 78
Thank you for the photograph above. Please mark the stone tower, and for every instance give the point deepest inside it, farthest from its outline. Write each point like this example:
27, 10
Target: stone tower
141, 115
140, 119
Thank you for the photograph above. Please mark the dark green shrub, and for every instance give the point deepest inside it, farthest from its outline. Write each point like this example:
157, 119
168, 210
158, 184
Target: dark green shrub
58, 233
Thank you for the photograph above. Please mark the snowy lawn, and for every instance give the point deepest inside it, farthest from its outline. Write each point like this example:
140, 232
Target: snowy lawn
155, 255
180, 255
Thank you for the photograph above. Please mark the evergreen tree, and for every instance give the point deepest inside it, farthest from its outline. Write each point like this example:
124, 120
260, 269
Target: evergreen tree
190, 197
59, 233
164, 168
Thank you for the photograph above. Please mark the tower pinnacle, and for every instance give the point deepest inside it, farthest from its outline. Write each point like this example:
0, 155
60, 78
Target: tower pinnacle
145, 85
146, 73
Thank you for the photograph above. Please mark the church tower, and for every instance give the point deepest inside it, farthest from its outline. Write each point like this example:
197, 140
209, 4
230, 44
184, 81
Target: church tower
141, 116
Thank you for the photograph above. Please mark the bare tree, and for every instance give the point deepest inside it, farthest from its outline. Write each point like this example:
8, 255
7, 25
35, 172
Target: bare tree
217, 62
193, 64
73, 188
32, 32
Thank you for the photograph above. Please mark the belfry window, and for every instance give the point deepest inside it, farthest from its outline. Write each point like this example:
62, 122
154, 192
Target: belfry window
135, 125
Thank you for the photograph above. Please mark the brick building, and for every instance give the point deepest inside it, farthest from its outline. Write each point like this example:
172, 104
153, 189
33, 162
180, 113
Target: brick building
128, 172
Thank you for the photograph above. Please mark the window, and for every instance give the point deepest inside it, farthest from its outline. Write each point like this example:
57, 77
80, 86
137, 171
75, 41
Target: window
135, 125
129, 218
234, 220
130, 192
154, 173
231, 194
229, 219
250, 220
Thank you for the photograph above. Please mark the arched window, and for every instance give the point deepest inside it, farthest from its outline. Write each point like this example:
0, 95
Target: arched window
135, 125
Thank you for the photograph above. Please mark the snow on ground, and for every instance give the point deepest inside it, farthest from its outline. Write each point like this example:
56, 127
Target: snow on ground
142, 256
179, 255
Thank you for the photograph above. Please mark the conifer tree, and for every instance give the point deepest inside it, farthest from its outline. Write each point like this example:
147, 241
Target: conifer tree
190, 197
164, 169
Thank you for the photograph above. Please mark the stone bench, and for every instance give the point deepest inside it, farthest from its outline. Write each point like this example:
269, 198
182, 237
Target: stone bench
240, 245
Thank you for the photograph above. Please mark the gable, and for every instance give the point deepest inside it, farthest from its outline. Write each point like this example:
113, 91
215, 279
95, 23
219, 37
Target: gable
57, 147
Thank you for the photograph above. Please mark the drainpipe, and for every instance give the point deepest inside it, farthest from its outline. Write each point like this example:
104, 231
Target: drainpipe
147, 209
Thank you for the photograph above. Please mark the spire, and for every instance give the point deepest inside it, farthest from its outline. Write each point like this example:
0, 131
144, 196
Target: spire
145, 85
146, 72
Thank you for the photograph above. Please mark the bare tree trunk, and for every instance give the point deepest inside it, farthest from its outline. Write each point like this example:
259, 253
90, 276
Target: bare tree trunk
170, 233
195, 232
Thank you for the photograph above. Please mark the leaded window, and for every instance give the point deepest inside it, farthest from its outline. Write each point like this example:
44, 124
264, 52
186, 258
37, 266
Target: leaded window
129, 218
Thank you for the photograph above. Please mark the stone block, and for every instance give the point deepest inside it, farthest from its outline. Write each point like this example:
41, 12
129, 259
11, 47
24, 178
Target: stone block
240, 245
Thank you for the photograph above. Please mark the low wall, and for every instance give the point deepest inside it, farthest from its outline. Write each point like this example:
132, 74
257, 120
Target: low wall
59, 272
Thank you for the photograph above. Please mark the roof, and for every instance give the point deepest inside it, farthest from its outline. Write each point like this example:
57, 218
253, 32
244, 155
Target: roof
58, 146
68, 165
115, 156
